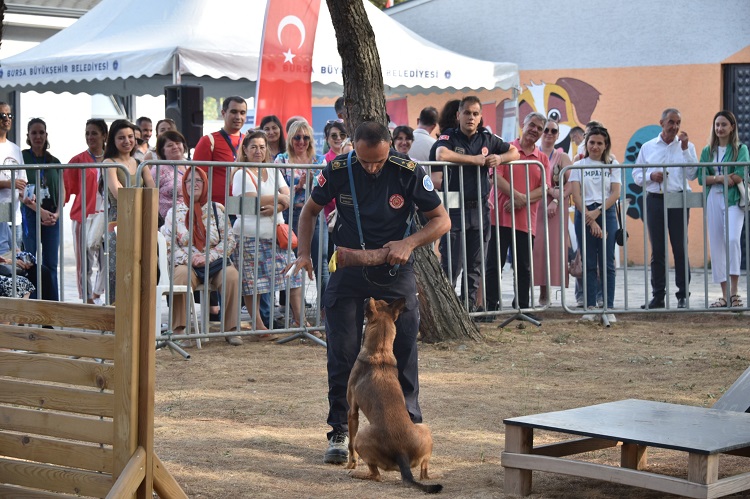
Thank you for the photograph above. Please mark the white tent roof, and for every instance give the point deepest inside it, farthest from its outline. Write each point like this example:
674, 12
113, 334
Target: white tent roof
129, 47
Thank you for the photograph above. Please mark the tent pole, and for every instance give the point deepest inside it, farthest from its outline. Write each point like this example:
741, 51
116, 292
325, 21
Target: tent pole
176, 76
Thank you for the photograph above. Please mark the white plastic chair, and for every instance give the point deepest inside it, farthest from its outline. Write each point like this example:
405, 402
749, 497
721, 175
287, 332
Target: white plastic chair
162, 288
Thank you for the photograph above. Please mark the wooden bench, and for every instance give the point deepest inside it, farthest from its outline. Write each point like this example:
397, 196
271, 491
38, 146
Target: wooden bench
636, 424
76, 404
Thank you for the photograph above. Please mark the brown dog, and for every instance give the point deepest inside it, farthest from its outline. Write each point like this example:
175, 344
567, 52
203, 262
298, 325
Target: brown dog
391, 442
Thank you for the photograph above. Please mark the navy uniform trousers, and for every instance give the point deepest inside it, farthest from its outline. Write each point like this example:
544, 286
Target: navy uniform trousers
344, 301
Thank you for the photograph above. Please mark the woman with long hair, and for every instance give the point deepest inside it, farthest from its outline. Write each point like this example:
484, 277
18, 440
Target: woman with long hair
557, 207
75, 180
724, 147
301, 151
275, 133
120, 149
257, 231
591, 210
42, 195
196, 215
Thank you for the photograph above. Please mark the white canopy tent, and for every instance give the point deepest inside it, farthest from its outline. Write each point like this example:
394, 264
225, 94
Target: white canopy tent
136, 47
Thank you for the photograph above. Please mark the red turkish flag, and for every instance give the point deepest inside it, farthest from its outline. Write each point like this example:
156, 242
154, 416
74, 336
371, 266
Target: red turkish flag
284, 85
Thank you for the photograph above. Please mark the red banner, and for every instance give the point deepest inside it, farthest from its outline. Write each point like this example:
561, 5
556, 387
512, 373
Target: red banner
284, 85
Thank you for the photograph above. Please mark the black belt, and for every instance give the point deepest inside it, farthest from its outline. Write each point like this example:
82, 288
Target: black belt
661, 195
471, 204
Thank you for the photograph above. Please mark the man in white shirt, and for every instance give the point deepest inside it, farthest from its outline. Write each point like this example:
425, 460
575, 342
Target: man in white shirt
670, 147
423, 139
10, 155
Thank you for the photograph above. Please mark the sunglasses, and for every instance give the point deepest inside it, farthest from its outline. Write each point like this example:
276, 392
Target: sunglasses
298, 138
550, 131
336, 136
334, 121
6, 116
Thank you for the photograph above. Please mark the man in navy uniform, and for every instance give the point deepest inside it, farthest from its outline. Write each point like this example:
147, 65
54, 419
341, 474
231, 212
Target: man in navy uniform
476, 150
388, 186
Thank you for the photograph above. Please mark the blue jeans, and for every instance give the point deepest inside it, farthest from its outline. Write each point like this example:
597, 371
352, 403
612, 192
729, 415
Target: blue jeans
600, 254
50, 240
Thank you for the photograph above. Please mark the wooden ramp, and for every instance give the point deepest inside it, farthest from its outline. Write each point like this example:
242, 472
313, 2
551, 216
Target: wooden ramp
77, 404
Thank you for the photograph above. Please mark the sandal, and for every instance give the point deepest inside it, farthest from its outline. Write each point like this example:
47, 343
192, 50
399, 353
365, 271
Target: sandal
736, 300
720, 303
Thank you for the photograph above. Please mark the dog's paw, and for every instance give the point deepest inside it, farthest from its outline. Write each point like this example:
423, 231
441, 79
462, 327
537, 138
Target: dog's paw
351, 465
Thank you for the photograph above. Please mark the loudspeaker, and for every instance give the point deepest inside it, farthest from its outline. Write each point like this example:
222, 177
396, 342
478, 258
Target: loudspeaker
184, 104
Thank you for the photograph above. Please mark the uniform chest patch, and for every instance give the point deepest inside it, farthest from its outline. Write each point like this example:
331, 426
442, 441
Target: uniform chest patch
346, 199
321, 179
427, 183
485, 151
396, 201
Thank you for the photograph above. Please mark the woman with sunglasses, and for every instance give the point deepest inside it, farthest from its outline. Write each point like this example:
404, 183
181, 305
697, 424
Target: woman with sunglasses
271, 124
96, 135
43, 195
300, 149
256, 232
595, 199
557, 207
724, 146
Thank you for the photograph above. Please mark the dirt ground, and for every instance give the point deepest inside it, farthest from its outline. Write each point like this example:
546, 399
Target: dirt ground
249, 421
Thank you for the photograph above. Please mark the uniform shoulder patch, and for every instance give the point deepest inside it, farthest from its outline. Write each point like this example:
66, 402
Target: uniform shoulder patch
444, 137
403, 163
338, 164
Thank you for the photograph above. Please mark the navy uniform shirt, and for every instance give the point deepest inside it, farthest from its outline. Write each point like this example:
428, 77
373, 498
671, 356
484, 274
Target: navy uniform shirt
385, 200
483, 142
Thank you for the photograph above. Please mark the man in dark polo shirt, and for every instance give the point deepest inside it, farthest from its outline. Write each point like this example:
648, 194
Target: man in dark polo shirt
387, 187
476, 150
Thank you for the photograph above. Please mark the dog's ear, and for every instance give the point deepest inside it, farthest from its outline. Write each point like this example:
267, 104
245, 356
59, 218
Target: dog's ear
370, 307
397, 307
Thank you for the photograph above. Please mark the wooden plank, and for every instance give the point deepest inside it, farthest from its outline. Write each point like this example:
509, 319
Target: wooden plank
59, 398
51, 424
703, 468
90, 457
572, 447
35, 339
518, 439
54, 478
131, 477
127, 320
164, 483
622, 476
729, 485
61, 314
13, 492
744, 452
634, 456
147, 339
58, 370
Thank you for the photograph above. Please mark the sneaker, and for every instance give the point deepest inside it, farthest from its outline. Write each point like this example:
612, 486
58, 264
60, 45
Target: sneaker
591, 316
579, 303
338, 449
611, 318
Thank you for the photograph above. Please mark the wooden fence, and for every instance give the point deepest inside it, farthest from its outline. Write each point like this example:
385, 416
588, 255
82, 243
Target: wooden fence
77, 404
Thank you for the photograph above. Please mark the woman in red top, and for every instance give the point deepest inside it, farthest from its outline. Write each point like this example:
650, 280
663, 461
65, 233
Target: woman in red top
96, 135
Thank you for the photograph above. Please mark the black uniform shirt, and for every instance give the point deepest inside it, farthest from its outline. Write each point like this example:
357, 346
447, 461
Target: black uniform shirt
483, 142
385, 200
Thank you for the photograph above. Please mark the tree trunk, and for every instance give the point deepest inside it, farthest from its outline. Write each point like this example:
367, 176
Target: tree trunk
442, 317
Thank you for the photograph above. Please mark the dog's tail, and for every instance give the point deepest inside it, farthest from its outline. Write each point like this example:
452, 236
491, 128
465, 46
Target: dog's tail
408, 478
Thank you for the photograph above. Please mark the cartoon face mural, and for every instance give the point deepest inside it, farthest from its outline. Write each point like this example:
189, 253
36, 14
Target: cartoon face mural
569, 101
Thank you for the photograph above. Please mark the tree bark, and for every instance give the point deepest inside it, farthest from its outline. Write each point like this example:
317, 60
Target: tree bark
442, 317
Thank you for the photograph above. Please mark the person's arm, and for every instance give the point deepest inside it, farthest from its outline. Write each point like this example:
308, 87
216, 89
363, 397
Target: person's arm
444, 154
519, 199
438, 223
306, 225
113, 183
148, 179
493, 160
226, 244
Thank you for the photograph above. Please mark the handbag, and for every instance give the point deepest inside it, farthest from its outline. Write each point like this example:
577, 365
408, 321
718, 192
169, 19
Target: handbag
95, 225
213, 269
744, 195
621, 235
575, 265
284, 235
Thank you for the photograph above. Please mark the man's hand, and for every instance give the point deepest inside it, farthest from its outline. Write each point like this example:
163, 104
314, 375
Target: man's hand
492, 160
398, 251
683, 138
302, 262
657, 177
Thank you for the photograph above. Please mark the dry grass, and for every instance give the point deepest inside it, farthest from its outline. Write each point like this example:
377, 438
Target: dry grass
250, 421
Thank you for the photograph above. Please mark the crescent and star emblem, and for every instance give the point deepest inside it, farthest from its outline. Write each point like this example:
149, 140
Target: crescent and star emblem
297, 23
